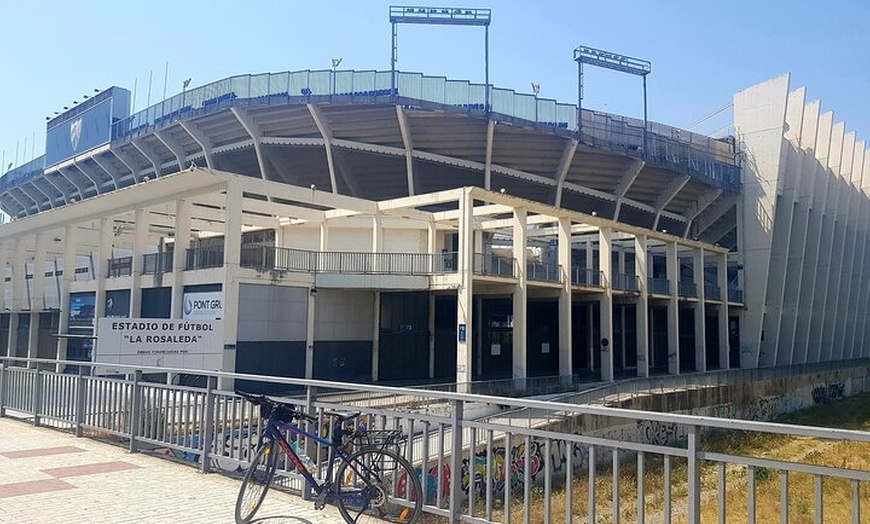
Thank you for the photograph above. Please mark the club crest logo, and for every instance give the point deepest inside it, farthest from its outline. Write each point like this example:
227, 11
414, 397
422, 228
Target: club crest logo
75, 133
188, 306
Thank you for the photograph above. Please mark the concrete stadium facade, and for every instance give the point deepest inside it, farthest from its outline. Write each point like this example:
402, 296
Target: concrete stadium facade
354, 232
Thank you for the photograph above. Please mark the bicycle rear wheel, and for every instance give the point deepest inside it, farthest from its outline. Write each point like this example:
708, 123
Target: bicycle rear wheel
378, 485
256, 483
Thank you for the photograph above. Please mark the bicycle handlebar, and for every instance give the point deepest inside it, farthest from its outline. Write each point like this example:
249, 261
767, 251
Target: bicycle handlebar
272, 405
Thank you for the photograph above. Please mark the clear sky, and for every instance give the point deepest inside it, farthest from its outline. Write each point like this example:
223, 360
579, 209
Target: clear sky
54, 51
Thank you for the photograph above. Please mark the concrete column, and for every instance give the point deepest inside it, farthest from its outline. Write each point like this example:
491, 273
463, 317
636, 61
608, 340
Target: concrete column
566, 365
605, 345
377, 238
590, 264
376, 337
520, 306
724, 338
107, 236
465, 293
431, 247
19, 291
232, 261
140, 245
70, 256
183, 209
324, 236
37, 297
642, 305
700, 311
673, 272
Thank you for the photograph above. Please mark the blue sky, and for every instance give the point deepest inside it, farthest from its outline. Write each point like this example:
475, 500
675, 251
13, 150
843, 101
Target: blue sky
52, 52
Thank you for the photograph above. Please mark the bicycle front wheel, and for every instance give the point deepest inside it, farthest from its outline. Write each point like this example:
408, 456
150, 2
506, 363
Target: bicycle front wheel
378, 485
256, 483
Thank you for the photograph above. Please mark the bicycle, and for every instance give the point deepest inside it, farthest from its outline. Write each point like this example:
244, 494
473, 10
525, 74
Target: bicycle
372, 482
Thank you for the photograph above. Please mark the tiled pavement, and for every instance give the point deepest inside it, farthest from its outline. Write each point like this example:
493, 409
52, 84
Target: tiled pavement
48, 476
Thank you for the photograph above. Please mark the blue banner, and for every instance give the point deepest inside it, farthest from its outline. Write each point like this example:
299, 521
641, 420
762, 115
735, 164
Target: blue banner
78, 134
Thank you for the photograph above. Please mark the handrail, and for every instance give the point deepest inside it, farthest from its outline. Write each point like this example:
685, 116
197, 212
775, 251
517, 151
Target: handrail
547, 406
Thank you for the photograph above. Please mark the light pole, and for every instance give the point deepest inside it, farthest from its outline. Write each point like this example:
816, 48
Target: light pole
335, 63
536, 89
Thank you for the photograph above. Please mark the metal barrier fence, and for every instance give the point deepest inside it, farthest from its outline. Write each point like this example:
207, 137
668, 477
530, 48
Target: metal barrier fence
480, 458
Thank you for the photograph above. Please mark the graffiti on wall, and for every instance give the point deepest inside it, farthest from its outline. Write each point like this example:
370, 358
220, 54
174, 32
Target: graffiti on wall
828, 392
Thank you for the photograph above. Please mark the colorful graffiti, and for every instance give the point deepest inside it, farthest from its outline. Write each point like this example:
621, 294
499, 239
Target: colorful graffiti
501, 471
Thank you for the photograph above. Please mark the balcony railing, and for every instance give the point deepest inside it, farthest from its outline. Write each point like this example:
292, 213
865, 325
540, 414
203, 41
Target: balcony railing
204, 258
543, 272
494, 265
659, 286
735, 296
625, 282
587, 277
712, 292
270, 258
687, 289
157, 263
120, 267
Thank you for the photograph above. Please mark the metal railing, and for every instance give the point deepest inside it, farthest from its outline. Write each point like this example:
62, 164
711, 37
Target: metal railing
541, 272
488, 264
587, 277
659, 286
204, 258
266, 257
687, 289
735, 296
157, 263
712, 292
625, 282
480, 458
120, 267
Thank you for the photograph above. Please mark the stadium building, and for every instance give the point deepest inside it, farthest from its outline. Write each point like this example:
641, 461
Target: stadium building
341, 228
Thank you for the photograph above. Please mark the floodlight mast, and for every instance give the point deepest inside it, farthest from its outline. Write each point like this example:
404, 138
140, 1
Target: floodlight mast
608, 60
463, 16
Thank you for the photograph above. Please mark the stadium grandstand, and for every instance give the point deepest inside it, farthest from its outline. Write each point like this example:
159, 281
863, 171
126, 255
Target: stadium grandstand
386, 226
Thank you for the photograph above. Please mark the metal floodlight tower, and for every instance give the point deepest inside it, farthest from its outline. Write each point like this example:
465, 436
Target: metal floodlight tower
466, 16
624, 64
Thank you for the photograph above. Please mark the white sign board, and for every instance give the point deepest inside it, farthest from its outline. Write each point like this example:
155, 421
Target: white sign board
203, 306
185, 344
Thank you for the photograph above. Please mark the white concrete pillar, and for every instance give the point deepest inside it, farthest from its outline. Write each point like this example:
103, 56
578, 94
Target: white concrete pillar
140, 246
232, 262
431, 246
376, 337
724, 335
377, 239
520, 298
324, 236
37, 294
700, 310
642, 306
183, 210
70, 255
19, 294
465, 292
590, 263
566, 364
673, 273
605, 345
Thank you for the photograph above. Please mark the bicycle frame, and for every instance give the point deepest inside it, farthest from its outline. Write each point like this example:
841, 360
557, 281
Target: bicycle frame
274, 429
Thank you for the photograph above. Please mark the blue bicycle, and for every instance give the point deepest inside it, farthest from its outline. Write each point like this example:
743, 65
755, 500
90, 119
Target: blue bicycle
372, 482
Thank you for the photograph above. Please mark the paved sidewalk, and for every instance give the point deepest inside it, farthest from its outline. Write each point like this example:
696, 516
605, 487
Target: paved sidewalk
49, 476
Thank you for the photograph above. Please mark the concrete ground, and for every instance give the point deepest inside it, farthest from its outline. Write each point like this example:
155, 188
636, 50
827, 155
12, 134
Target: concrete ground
49, 476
